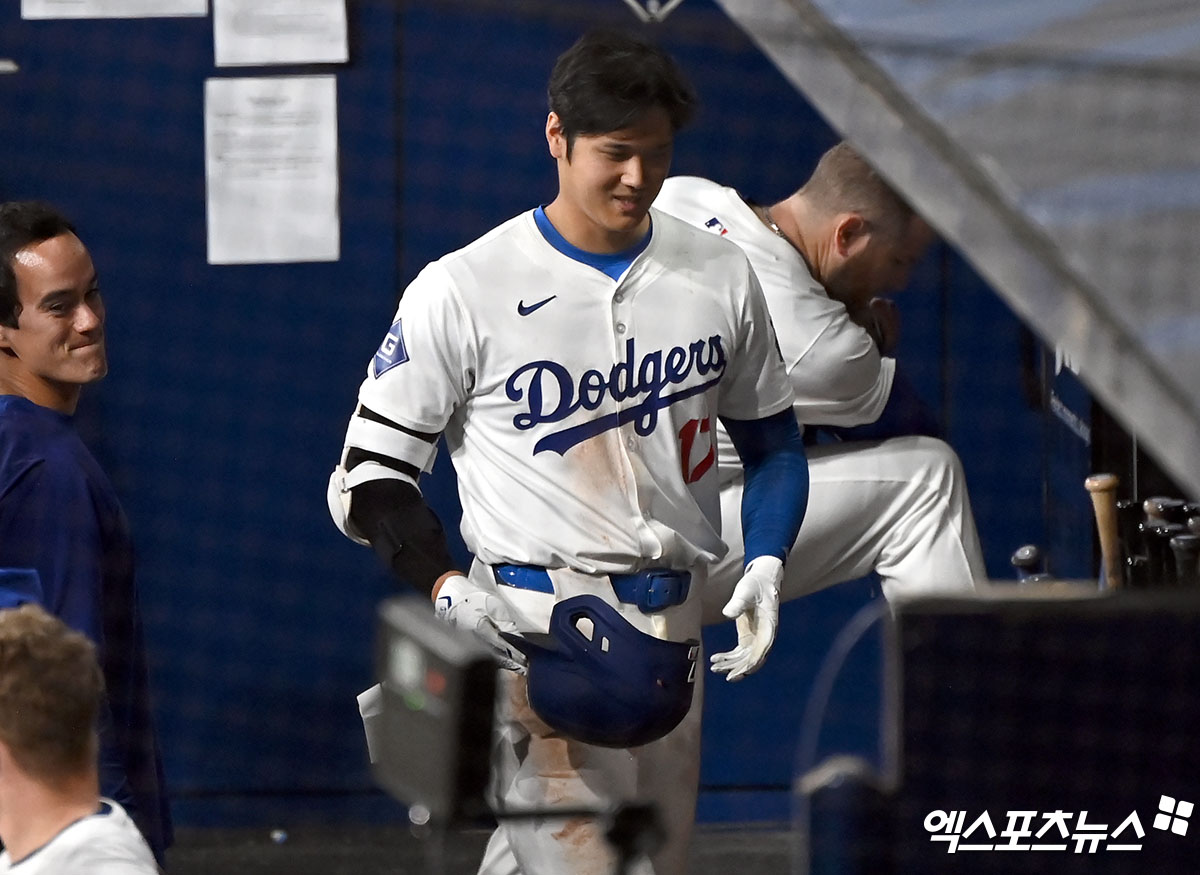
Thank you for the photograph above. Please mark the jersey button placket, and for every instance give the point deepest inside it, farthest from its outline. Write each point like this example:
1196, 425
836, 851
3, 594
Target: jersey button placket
622, 322
621, 316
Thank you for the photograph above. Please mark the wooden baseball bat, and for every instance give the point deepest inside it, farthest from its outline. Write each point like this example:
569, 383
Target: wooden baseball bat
1103, 489
1160, 509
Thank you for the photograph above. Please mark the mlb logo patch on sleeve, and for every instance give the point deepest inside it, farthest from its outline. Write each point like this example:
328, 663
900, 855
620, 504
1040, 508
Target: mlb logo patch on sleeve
392, 351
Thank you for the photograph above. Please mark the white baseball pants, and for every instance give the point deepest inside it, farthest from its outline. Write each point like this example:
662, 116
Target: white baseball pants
897, 507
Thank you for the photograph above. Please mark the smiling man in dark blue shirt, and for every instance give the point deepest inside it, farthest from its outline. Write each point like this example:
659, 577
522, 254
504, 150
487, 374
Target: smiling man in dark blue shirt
59, 514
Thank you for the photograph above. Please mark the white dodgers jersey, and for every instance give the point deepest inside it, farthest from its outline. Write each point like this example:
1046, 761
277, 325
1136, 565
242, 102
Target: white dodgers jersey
104, 843
580, 411
836, 370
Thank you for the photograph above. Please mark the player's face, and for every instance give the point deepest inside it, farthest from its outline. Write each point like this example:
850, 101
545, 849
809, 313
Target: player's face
606, 186
876, 263
58, 344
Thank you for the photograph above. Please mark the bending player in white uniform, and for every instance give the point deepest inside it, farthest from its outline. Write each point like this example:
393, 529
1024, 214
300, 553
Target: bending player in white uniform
892, 499
576, 359
52, 819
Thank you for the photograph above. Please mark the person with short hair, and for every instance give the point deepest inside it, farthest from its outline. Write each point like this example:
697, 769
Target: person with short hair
577, 358
888, 494
53, 820
59, 514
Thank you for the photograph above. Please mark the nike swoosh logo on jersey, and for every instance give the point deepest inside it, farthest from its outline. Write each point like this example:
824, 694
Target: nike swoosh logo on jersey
525, 311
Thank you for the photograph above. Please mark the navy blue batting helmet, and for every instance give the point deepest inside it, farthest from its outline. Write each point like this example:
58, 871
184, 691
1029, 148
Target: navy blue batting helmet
597, 679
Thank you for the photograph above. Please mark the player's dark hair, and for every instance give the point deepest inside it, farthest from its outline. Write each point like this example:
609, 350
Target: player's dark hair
23, 223
843, 181
609, 79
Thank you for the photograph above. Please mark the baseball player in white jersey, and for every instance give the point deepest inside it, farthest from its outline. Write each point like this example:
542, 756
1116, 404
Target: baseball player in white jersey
52, 818
104, 842
576, 358
890, 497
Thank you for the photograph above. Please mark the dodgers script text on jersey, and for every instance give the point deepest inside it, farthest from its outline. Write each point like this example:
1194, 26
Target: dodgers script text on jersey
653, 373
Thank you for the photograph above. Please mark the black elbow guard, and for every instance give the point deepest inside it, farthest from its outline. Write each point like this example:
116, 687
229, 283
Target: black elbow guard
403, 531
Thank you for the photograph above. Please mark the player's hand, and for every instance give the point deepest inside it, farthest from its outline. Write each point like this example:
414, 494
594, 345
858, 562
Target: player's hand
881, 319
485, 615
755, 604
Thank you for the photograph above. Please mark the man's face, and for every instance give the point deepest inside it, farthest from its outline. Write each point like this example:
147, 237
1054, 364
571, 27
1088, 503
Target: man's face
59, 338
608, 183
876, 263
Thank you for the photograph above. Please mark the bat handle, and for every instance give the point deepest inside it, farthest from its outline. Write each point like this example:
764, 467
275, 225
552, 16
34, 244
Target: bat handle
1103, 489
1187, 559
1027, 560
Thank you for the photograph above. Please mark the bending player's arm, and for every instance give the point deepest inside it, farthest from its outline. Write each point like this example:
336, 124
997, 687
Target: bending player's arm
774, 501
905, 413
846, 388
836, 371
375, 499
881, 320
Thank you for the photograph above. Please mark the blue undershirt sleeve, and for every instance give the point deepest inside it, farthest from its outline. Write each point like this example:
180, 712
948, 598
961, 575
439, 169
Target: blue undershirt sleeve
776, 492
904, 414
19, 586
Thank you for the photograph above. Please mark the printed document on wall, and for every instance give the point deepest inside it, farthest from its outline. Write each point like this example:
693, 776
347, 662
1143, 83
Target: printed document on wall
256, 32
271, 167
111, 8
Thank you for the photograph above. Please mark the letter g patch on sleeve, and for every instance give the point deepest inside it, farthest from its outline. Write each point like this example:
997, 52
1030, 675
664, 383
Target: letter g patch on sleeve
391, 352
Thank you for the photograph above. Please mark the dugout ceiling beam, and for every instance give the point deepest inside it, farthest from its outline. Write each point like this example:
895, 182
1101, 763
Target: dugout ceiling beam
1057, 147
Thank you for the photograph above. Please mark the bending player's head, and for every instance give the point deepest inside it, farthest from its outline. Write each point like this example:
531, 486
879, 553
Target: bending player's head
51, 313
876, 237
616, 103
843, 182
50, 693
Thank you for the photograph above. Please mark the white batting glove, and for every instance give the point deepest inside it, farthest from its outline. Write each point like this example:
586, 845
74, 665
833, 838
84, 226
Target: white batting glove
485, 615
755, 604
